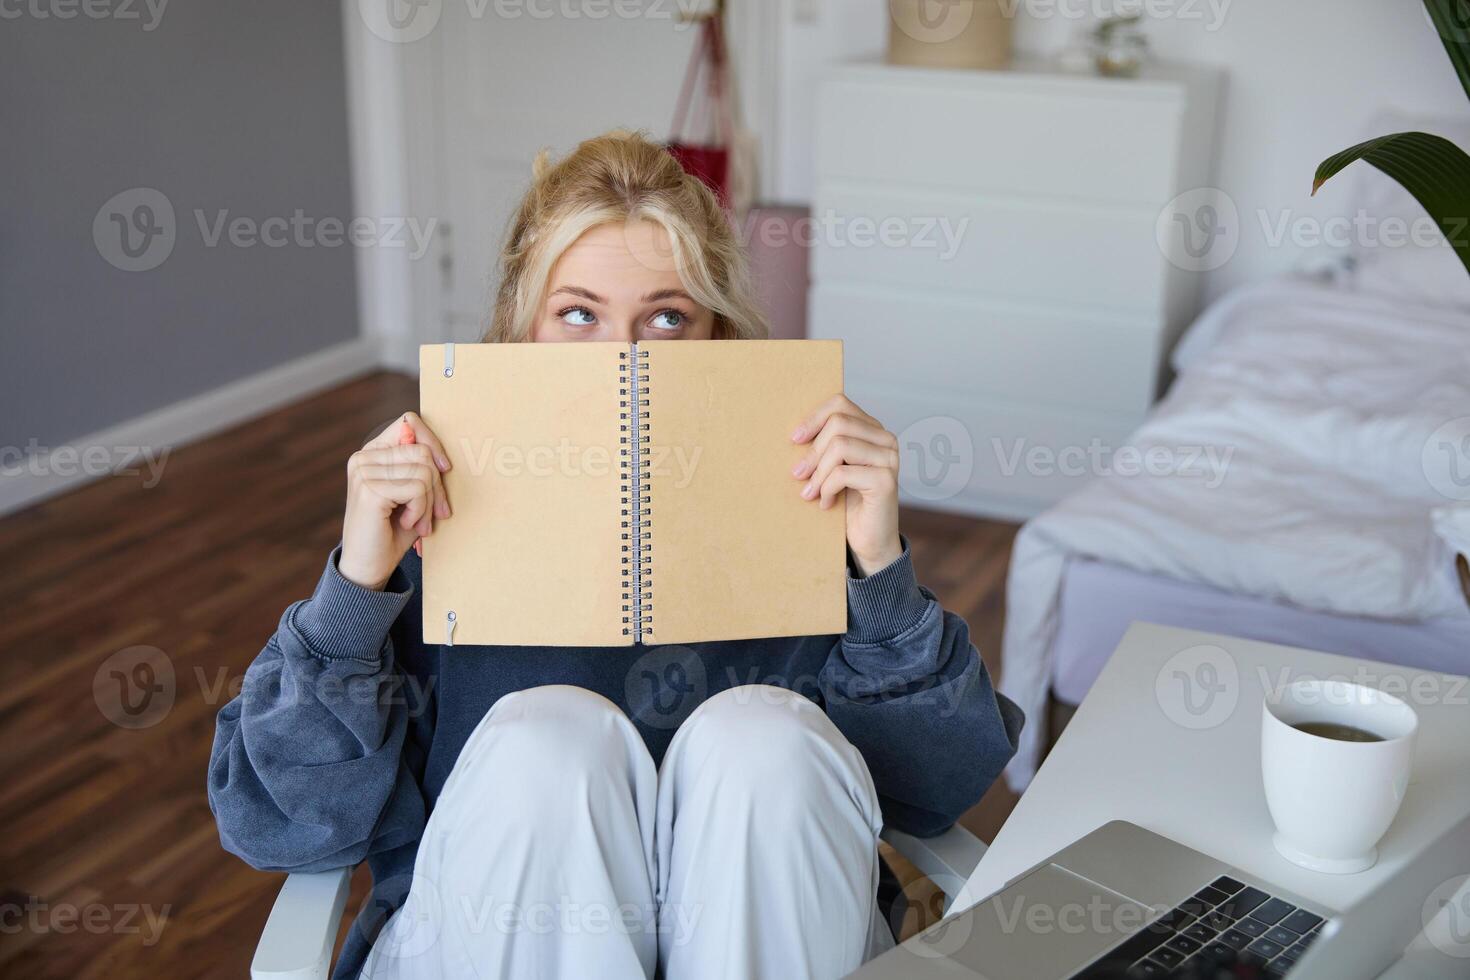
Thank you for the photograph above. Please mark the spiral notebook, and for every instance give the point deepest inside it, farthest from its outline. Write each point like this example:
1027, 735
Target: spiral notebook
609, 494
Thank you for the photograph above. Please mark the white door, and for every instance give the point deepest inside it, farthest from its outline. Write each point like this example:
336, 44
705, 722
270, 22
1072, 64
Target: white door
507, 79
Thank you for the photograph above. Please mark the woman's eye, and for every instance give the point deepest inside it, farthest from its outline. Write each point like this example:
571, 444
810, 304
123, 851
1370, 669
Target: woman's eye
669, 320
578, 316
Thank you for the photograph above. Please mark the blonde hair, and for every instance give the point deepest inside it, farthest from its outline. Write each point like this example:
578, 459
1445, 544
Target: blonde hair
623, 177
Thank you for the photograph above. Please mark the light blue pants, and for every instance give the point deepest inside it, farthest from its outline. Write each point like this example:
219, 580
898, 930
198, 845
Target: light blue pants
557, 850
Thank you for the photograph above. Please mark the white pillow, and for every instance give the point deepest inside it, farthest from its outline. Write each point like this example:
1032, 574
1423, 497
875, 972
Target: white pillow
1404, 255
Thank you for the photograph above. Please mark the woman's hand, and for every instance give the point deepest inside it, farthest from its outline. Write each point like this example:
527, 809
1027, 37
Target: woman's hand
850, 450
394, 494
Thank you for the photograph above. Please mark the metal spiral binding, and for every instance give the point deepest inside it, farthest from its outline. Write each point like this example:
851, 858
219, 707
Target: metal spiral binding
637, 578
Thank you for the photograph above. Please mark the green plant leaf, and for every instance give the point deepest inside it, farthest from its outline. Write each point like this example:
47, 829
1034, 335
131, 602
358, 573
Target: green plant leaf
1451, 18
1434, 170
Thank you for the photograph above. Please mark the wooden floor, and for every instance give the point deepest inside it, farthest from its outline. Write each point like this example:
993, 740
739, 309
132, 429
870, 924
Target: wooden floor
109, 861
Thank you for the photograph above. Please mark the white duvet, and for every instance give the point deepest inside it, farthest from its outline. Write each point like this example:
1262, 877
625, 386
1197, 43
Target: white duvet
1310, 451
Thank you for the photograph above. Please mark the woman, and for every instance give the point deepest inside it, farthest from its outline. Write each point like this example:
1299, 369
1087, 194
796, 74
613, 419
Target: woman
527, 812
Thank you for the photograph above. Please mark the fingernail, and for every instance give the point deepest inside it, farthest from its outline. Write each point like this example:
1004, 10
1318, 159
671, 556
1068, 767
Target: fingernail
809, 491
418, 547
441, 508
800, 469
798, 434
442, 462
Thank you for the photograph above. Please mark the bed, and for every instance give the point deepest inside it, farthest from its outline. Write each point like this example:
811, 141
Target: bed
1305, 482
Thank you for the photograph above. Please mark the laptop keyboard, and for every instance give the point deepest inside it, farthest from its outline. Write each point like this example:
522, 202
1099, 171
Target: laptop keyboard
1227, 923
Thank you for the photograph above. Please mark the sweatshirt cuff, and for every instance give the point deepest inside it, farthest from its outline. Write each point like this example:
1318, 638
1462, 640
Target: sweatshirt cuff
344, 621
886, 604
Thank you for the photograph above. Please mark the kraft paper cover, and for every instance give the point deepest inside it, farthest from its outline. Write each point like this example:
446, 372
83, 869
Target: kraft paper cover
736, 552
532, 553
530, 556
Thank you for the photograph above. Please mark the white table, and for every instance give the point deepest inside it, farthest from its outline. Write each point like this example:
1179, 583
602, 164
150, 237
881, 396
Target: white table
1136, 750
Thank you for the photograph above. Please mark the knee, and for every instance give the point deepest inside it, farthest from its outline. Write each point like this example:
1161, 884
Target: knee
773, 749
555, 739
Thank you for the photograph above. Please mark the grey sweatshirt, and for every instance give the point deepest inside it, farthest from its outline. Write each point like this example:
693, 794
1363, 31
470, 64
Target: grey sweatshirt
348, 724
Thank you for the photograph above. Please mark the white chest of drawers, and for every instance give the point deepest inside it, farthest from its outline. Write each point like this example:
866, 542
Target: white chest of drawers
985, 244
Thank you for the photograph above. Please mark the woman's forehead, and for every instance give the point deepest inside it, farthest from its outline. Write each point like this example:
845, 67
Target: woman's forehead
632, 258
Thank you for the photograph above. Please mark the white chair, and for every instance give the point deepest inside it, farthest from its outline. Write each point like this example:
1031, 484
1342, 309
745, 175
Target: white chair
297, 941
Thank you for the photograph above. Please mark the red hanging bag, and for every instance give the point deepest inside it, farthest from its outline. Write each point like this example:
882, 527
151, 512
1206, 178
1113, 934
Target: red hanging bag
709, 161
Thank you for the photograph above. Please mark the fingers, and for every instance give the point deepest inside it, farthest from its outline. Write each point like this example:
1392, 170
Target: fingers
868, 480
849, 427
407, 455
402, 475
422, 435
836, 405
412, 494
847, 451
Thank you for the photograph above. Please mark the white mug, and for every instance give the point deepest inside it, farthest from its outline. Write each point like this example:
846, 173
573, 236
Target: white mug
1332, 800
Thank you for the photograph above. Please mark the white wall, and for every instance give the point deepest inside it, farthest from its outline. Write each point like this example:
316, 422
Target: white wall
1304, 76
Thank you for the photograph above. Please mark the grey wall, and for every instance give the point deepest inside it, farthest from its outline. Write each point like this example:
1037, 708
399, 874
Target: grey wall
220, 106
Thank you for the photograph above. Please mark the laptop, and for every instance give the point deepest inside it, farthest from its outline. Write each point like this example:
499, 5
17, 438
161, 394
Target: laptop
1124, 902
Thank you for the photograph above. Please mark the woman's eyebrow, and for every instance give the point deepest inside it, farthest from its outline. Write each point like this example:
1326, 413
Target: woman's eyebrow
664, 294
586, 294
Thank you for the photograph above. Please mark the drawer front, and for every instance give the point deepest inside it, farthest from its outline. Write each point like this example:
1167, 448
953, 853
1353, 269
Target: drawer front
1102, 258
959, 452
934, 341
1013, 142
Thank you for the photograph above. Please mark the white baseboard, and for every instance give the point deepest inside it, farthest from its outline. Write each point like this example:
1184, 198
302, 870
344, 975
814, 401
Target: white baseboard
145, 441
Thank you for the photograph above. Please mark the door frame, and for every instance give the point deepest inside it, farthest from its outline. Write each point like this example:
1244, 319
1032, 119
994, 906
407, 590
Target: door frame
395, 167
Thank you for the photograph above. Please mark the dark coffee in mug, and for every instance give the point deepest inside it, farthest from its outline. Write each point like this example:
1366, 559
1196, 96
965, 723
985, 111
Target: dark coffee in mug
1340, 733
